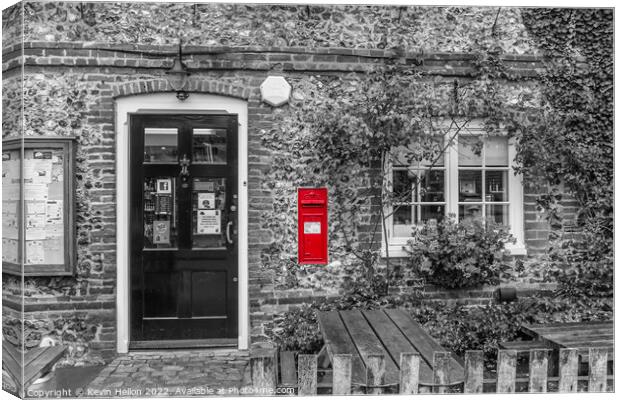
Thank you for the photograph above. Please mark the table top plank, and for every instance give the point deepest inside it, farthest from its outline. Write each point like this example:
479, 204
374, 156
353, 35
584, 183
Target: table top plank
368, 343
42, 363
338, 341
395, 342
561, 337
541, 329
423, 342
33, 354
12, 361
579, 335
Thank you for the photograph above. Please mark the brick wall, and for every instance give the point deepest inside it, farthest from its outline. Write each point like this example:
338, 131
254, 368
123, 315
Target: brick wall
102, 71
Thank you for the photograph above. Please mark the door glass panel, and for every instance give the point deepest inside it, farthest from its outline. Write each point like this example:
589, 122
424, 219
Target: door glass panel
160, 145
160, 206
208, 213
209, 146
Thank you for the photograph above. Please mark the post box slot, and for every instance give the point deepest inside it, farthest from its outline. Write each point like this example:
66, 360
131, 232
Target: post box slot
316, 205
313, 203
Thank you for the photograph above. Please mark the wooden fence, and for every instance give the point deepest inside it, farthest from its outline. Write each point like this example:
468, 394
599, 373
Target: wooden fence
264, 370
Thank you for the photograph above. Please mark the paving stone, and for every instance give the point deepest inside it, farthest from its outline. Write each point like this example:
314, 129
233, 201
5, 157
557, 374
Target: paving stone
223, 369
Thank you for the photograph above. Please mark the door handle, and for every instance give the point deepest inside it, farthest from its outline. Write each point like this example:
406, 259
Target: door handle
228, 226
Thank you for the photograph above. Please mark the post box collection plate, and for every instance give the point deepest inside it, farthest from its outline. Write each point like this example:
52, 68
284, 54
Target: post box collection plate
312, 225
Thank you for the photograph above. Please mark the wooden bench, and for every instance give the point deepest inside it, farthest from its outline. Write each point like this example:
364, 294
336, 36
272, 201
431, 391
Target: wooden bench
37, 362
578, 335
524, 345
390, 332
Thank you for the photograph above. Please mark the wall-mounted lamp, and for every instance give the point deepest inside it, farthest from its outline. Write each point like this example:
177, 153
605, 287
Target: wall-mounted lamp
178, 76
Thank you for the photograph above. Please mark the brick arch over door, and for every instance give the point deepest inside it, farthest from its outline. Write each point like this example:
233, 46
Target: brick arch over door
194, 85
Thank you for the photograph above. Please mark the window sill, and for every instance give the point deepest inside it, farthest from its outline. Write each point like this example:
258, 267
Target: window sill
517, 249
396, 250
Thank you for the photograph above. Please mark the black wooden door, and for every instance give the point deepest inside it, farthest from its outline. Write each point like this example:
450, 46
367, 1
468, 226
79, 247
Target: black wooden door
183, 230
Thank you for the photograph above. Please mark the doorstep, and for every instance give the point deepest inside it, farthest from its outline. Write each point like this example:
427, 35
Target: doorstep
170, 373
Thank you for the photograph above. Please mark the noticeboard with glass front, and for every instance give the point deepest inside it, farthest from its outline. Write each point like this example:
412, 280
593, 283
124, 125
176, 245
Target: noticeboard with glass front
37, 207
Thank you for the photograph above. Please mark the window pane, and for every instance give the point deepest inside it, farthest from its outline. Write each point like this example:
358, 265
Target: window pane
11, 202
496, 151
160, 206
415, 156
44, 212
403, 217
470, 185
432, 212
497, 213
496, 185
432, 185
209, 146
160, 145
434, 157
470, 211
403, 182
470, 151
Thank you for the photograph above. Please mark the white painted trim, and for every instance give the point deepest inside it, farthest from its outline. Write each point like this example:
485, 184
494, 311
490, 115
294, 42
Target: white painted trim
515, 195
167, 103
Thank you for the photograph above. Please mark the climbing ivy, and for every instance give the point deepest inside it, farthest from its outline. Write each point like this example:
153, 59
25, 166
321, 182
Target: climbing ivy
575, 127
340, 132
344, 131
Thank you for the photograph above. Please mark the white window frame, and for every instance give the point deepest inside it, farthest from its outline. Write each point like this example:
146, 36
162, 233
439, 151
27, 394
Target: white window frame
515, 195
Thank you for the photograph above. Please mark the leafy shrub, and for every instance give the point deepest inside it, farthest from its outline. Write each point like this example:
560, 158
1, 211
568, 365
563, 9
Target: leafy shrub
298, 329
461, 328
459, 255
583, 265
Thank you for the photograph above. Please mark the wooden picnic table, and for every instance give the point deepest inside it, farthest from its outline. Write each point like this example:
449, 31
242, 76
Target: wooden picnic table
389, 332
37, 362
579, 335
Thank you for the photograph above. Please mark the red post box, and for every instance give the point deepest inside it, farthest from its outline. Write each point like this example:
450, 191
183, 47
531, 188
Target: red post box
312, 225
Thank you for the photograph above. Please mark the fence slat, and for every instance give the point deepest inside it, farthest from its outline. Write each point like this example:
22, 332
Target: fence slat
263, 369
569, 365
375, 370
306, 373
598, 370
539, 362
506, 371
288, 372
409, 373
341, 366
474, 369
441, 370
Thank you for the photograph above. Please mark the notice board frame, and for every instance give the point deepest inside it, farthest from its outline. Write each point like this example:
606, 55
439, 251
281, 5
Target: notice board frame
67, 144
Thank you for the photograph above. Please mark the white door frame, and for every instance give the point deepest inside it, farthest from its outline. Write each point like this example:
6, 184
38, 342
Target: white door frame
167, 103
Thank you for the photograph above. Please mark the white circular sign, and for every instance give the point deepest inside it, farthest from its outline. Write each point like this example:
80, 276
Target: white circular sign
275, 91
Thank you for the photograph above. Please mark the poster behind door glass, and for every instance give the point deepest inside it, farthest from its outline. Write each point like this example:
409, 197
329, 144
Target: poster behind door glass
208, 212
